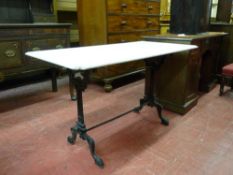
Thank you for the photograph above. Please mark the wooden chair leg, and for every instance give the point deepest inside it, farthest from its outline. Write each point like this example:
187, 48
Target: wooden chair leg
231, 83
222, 85
54, 79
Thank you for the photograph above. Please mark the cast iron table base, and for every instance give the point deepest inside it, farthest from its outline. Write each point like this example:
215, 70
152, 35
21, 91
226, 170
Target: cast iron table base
80, 83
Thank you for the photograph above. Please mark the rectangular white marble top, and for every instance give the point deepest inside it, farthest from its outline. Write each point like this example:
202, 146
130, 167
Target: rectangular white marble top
89, 57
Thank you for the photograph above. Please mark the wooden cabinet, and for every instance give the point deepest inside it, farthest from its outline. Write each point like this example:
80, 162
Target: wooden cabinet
27, 25
16, 39
114, 21
183, 75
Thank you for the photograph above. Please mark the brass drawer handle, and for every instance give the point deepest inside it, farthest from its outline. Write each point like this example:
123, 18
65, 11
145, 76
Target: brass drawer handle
150, 7
59, 46
123, 6
10, 53
123, 41
149, 23
35, 48
123, 23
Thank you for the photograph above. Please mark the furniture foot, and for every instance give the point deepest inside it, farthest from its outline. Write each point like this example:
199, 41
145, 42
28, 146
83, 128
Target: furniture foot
221, 86
152, 103
91, 143
143, 102
108, 86
232, 83
159, 107
81, 130
74, 131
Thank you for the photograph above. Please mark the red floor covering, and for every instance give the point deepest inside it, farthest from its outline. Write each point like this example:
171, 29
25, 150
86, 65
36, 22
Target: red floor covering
34, 125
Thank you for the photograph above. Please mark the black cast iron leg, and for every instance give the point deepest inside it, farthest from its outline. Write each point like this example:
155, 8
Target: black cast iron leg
80, 128
149, 99
71, 85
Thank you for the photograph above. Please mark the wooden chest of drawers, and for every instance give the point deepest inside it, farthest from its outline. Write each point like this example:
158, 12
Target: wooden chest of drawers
16, 39
114, 21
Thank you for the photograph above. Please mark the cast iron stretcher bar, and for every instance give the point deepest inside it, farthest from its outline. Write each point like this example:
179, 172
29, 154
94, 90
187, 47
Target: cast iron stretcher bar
82, 59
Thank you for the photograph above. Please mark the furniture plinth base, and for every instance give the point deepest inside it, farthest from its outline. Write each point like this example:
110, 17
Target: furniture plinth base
179, 108
208, 86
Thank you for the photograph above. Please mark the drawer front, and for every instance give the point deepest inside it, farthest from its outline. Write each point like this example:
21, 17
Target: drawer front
44, 44
127, 37
10, 54
133, 6
46, 31
8, 33
119, 69
130, 23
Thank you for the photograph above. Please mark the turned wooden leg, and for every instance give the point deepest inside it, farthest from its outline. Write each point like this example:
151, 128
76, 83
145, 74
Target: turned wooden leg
222, 85
231, 83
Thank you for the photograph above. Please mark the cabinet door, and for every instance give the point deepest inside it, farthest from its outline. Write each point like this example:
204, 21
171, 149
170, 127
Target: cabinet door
10, 54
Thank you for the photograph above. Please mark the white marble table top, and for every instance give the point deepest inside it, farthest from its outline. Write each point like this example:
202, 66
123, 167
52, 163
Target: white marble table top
89, 57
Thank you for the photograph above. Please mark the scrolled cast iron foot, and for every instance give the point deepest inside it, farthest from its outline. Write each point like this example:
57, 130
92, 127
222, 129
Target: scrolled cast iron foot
71, 139
164, 121
73, 98
159, 107
139, 108
91, 143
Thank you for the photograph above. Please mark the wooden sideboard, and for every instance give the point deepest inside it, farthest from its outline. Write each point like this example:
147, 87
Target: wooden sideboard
115, 21
28, 25
182, 75
16, 39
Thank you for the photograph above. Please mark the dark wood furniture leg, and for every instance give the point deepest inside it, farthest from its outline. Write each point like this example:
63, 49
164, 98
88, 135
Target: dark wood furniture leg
222, 82
232, 83
54, 79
